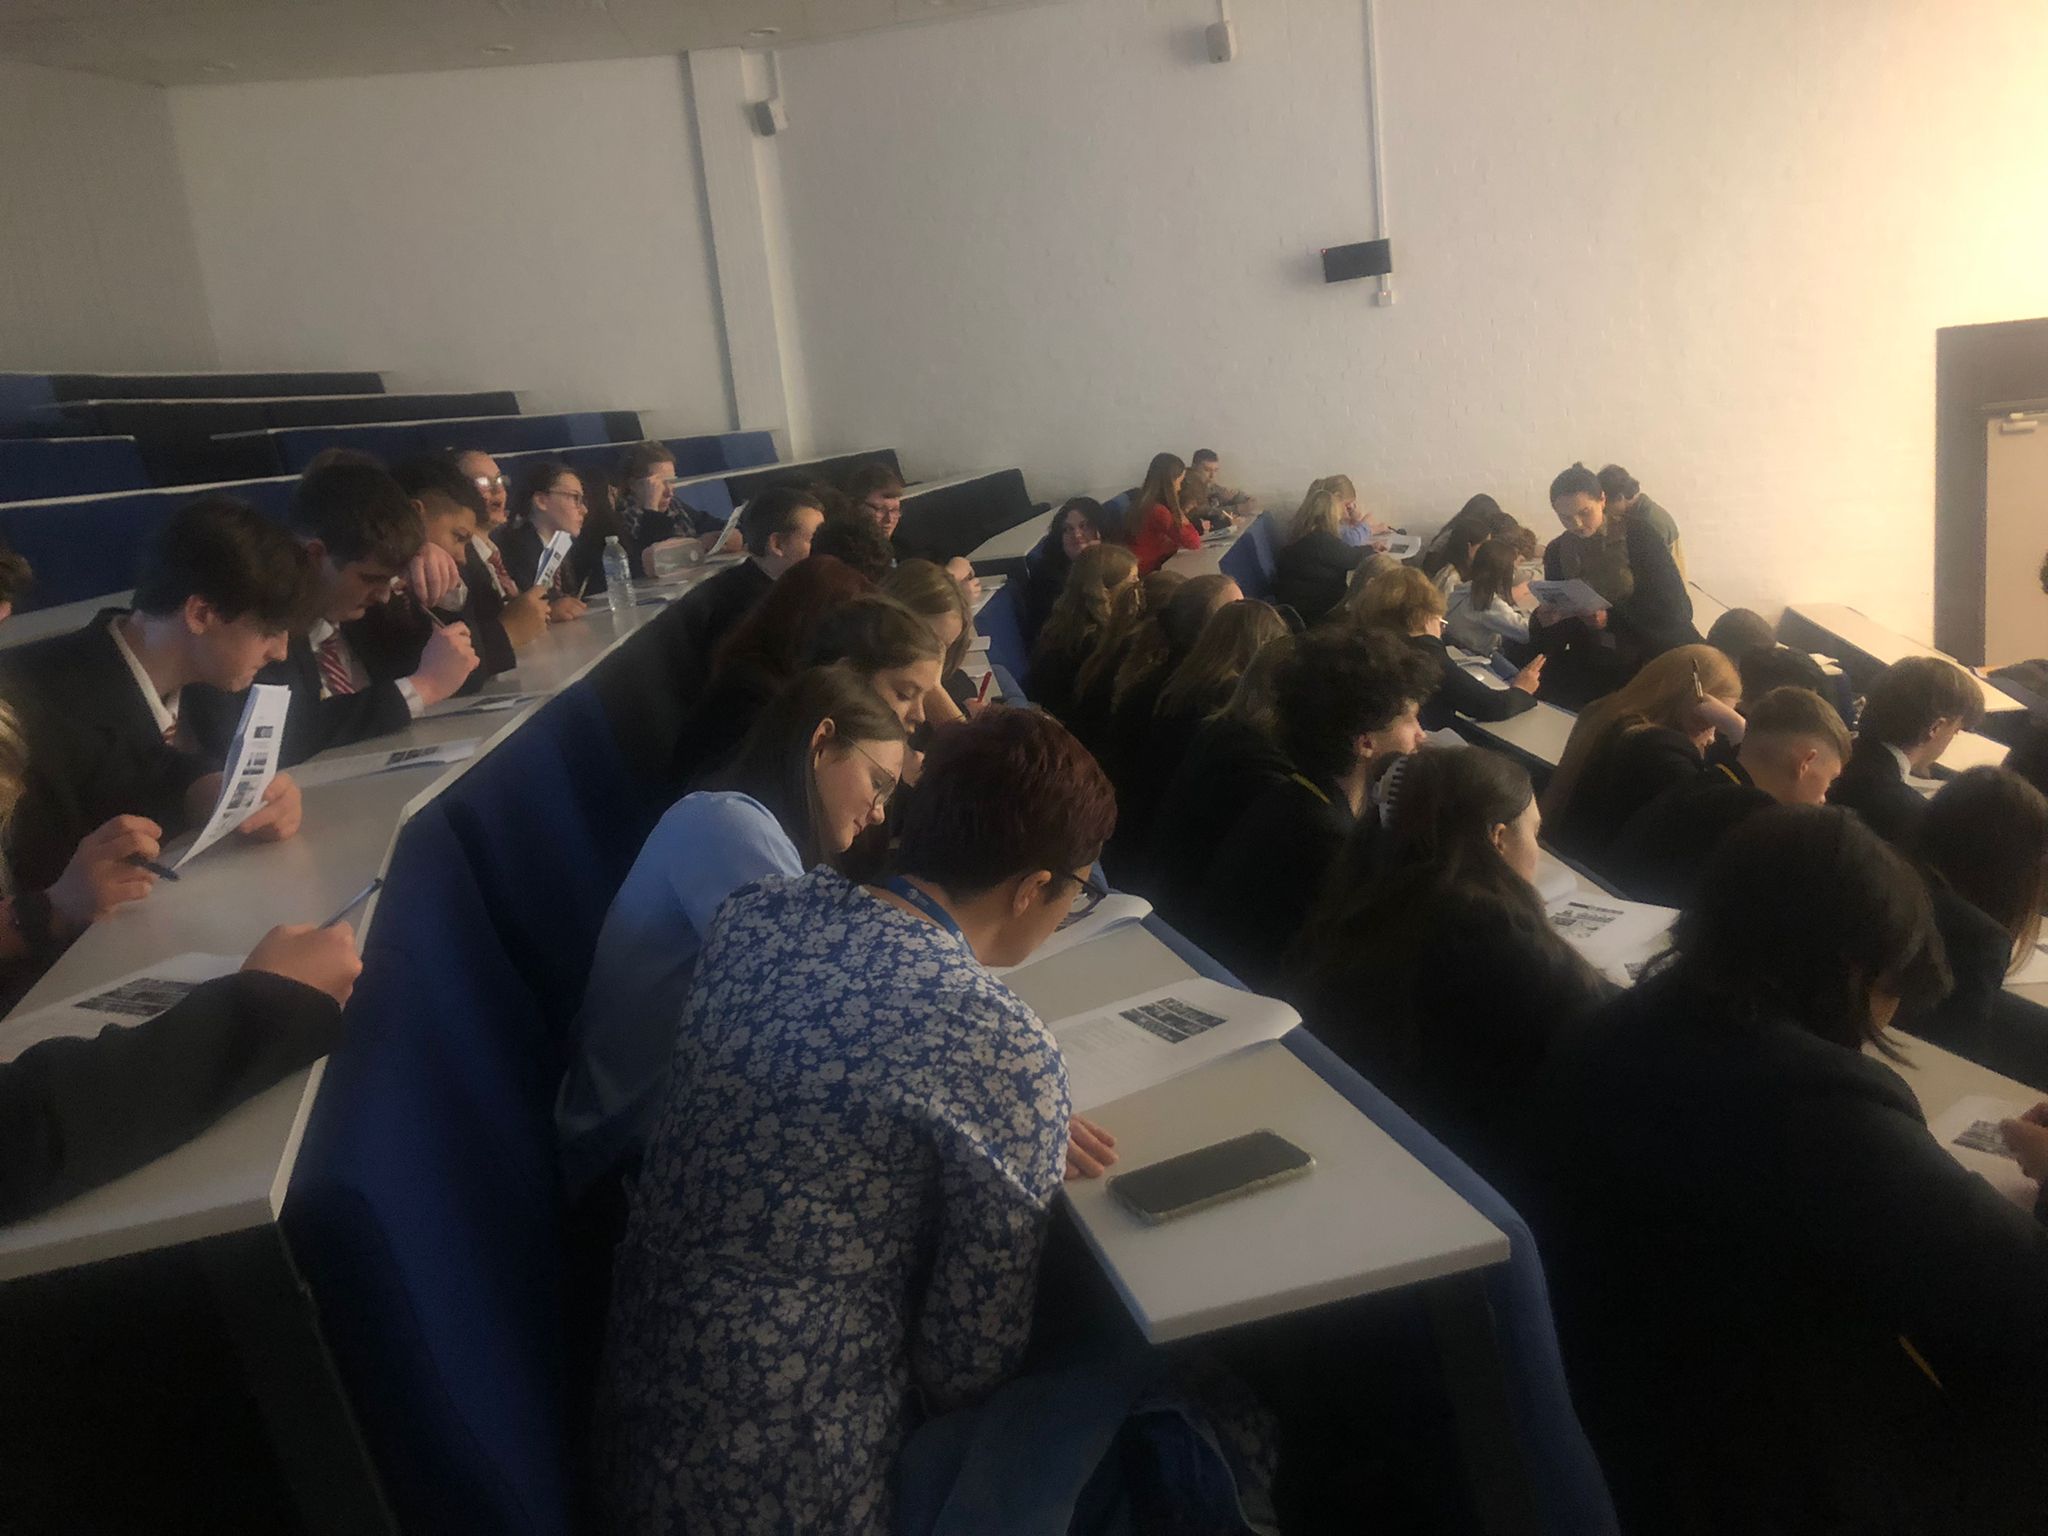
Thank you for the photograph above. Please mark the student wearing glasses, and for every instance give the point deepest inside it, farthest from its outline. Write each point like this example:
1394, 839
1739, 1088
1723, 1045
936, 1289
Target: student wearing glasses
838, 1225
817, 769
549, 501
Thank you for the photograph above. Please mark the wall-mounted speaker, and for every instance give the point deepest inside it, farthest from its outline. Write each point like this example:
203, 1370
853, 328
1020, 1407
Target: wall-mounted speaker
1369, 258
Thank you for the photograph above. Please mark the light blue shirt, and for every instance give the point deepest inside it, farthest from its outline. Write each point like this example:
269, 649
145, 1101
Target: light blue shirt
706, 847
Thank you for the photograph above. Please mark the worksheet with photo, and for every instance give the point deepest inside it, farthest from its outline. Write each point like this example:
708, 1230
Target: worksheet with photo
1156, 1036
126, 1000
1968, 1131
332, 770
1618, 938
251, 765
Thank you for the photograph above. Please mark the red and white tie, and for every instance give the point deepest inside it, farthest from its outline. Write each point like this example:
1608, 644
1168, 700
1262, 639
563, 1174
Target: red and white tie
334, 670
500, 575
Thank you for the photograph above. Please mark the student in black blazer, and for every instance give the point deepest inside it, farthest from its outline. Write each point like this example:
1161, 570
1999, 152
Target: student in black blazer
1793, 747
1429, 963
1153, 733
1630, 747
1315, 564
1626, 562
1912, 715
1983, 847
1410, 605
1231, 761
548, 502
446, 583
359, 531
1784, 1306
776, 527
107, 709
1346, 703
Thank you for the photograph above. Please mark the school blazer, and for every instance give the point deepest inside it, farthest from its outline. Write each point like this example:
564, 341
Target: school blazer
312, 724
1872, 786
94, 750
1662, 851
1458, 692
75, 1113
1979, 1020
1740, 1223
520, 544
1267, 875
1311, 573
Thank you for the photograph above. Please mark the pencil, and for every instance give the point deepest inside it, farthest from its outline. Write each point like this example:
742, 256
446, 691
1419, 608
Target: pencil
161, 871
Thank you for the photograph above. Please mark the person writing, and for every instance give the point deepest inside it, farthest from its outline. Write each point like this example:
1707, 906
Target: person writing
1792, 749
1410, 605
1155, 526
854, 1163
817, 769
103, 709
1916, 710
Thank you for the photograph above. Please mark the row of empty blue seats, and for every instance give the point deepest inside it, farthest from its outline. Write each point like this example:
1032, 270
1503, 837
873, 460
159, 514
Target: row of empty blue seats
288, 450
27, 398
36, 467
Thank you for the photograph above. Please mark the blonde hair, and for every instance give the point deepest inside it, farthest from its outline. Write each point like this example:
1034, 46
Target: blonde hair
1319, 513
1400, 599
1154, 590
1170, 630
1101, 579
927, 591
1662, 693
1339, 486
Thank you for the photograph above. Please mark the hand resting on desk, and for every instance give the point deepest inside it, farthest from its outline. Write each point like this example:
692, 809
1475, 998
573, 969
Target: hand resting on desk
1090, 1149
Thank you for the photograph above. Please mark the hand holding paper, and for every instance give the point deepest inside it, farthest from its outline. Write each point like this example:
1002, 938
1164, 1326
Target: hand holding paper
1572, 599
245, 787
552, 554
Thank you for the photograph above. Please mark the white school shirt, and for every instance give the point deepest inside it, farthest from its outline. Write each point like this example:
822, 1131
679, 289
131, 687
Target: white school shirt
164, 711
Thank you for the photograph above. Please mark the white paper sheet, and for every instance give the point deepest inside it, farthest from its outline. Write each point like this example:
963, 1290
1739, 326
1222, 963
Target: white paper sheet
1968, 1132
252, 764
1114, 911
1148, 1039
333, 770
128, 999
1555, 879
1571, 598
552, 554
1402, 546
481, 704
1617, 937
990, 586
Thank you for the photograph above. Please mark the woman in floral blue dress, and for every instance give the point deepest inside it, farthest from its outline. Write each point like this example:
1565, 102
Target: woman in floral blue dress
842, 1208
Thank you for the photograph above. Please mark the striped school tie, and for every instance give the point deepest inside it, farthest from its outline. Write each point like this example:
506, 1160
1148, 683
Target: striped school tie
334, 672
503, 577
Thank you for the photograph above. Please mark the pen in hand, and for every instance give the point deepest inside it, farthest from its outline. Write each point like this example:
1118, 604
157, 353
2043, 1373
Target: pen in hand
161, 871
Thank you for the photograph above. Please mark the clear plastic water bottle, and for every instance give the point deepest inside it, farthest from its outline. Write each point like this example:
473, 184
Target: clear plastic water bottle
618, 575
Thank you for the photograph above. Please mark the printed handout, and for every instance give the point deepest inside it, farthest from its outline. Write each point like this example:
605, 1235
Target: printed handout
128, 999
552, 554
1572, 599
333, 770
1148, 1039
1619, 938
1402, 546
251, 765
1113, 911
1968, 1130
482, 704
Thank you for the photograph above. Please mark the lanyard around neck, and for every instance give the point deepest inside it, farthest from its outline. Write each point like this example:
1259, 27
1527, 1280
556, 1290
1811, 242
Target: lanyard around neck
897, 885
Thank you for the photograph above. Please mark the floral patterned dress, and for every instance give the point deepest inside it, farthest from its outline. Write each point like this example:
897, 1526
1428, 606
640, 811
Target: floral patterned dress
843, 1204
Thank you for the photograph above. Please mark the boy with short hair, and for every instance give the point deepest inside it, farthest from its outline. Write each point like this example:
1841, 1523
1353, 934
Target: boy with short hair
359, 531
1914, 712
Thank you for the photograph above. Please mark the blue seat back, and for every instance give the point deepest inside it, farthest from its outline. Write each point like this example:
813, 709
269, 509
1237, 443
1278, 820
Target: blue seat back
957, 518
550, 822
84, 546
1250, 561
33, 468
293, 448
998, 621
739, 450
24, 399
424, 1210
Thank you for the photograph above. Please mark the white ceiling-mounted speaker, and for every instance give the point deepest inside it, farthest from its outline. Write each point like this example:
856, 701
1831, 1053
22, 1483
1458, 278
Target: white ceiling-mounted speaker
770, 117
1222, 42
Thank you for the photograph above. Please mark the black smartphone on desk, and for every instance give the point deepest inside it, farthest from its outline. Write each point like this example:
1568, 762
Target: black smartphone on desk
1161, 1191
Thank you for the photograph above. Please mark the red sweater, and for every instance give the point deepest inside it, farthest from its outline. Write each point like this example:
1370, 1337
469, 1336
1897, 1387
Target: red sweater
1160, 535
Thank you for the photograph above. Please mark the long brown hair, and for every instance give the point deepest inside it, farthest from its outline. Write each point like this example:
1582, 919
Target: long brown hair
1208, 674
1985, 835
775, 764
1493, 572
1155, 590
1157, 491
1099, 584
1252, 702
1663, 693
1169, 632
927, 591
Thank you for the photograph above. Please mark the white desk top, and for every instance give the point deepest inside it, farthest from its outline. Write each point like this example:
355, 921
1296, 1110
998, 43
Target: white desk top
1369, 1218
1539, 734
234, 1174
1208, 560
1969, 750
1939, 1078
1888, 645
1013, 543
